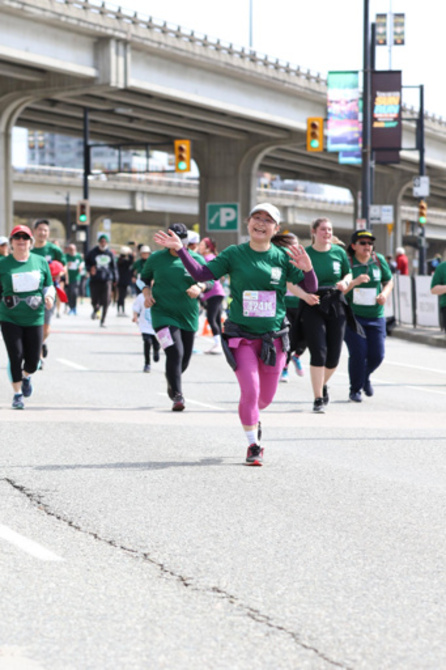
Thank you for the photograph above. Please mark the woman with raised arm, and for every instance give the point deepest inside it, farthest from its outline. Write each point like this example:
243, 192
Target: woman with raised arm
255, 337
323, 317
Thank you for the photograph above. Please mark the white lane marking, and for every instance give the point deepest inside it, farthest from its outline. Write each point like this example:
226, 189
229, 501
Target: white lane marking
70, 364
383, 382
29, 546
416, 367
196, 402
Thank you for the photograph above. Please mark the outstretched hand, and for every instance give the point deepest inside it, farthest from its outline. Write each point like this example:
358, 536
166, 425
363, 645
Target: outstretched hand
169, 240
299, 258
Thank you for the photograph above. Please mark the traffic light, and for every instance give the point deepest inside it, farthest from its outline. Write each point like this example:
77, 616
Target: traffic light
83, 213
422, 212
182, 155
315, 133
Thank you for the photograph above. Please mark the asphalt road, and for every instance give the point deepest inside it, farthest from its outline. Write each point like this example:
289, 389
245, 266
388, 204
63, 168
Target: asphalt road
132, 537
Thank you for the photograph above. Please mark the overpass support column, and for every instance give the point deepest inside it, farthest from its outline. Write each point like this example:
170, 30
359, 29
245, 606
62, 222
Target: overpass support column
10, 108
228, 171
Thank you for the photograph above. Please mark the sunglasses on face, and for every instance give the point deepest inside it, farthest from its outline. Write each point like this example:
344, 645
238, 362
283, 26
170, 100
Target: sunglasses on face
21, 236
363, 243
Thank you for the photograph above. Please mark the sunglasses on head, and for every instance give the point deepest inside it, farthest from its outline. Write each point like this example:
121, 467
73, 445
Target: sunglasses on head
21, 236
363, 243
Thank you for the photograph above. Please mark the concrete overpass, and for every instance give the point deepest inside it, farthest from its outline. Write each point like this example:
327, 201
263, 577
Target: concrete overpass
157, 201
145, 81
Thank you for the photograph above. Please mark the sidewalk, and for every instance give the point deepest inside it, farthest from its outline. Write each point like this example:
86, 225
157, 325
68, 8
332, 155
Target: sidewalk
431, 336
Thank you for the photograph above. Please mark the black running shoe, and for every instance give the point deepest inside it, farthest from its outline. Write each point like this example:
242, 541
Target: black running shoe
254, 455
318, 406
178, 403
44, 350
325, 396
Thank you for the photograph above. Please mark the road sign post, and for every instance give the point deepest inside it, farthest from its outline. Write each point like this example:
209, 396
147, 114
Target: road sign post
222, 217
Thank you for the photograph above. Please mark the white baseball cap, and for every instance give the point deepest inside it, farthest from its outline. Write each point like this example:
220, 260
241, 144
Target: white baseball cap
192, 237
269, 209
3, 240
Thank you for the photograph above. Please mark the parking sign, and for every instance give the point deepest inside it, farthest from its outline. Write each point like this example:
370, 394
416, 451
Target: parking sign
222, 216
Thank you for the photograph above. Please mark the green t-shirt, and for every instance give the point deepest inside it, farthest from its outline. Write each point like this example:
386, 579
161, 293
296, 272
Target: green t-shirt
367, 292
330, 266
172, 307
438, 279
51, 252
138, 266
24, 279
74, 264
258, 285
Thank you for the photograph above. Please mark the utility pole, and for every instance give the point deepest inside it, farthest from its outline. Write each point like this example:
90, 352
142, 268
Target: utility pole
422, 168
366, 134
86, 147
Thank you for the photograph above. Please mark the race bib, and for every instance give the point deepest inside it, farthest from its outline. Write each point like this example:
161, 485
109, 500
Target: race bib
364, 296
259, 303
164, 337
24, 282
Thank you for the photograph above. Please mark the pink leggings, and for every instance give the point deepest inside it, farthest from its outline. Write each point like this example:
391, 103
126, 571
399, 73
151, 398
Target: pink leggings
258, 382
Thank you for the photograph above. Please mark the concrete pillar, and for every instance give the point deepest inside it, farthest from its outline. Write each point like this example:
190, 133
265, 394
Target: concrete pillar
10, 108
228, 174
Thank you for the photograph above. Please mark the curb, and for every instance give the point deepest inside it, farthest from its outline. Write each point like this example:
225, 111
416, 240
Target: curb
423, 337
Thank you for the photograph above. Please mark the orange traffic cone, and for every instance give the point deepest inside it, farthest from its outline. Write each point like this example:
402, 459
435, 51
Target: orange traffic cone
206, 329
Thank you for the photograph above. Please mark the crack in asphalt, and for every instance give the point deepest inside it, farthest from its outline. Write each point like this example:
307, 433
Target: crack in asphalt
252, 613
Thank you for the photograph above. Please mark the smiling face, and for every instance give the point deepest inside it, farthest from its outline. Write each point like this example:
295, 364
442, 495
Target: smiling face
21, 245
323, 232
262, 227
363, 250
41, 234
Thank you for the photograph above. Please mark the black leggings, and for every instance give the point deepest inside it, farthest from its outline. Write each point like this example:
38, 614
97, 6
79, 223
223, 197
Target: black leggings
150, 340
23, 344
324, 335
100, 293
213, 313
178, 356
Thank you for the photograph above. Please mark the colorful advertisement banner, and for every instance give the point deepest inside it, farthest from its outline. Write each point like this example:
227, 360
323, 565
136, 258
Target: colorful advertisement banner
343, 121
386, 110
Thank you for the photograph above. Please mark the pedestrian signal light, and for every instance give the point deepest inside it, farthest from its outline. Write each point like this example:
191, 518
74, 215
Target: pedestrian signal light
83, 213
182, 155
315, 133
422, 212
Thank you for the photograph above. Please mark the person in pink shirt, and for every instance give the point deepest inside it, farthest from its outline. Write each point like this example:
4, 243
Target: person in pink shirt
213, 299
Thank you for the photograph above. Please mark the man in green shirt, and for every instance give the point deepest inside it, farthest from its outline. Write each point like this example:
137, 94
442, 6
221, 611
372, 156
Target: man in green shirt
75, 264
51, 252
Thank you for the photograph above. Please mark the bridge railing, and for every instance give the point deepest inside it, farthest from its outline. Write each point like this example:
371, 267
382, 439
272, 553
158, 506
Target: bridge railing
201, 39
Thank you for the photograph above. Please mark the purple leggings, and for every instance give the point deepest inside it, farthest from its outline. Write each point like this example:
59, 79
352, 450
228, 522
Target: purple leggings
258, 382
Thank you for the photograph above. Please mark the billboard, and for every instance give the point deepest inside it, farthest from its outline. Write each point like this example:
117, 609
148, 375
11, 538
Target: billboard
343, 124
386, 114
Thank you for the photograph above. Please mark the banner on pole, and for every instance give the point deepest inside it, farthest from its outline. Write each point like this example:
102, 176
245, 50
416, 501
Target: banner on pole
343, 124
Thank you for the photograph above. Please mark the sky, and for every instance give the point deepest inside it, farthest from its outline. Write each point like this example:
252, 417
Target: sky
320, 35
